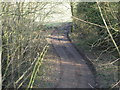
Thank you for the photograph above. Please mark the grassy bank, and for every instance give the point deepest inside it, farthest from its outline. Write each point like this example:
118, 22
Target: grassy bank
107, 70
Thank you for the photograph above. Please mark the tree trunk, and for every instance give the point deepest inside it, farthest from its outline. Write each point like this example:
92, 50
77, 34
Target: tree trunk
71, 5
0, 51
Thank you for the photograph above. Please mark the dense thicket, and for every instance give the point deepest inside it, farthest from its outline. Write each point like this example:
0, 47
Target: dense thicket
96, 25
24, 43
23, 38
90, 12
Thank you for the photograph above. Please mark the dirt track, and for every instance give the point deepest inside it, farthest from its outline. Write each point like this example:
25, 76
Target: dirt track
74, 71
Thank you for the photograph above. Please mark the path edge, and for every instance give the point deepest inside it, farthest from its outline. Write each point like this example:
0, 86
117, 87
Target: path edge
88, 62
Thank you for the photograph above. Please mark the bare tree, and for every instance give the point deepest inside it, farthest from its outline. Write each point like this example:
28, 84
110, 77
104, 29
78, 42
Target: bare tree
0, 51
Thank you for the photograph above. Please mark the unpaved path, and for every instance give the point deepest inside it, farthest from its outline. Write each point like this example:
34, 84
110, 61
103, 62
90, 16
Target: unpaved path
74, 71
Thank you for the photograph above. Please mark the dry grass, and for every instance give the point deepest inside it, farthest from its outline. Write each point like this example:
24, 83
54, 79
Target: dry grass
48, 75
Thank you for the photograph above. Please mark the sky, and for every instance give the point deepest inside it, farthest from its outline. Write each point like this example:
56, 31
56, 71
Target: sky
63, 13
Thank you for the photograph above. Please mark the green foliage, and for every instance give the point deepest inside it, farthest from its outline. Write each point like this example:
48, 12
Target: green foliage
90, 12
96, 39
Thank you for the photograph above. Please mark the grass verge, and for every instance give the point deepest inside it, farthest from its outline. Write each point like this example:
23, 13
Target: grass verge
48, 75
106, 71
